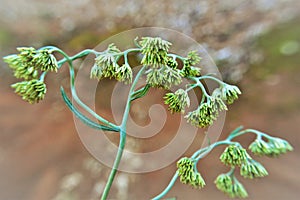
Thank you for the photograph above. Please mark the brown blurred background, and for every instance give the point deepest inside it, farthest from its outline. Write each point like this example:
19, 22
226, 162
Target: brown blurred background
256, 44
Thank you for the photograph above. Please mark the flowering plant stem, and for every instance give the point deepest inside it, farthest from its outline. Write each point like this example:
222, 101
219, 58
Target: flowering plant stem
122, 137
162, 70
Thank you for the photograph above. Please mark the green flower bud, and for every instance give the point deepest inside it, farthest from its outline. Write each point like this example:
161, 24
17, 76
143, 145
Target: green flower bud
32, 91
106, 65
238, 190
155, 50
216, 103
279, 146
177, 101
224, 183
230, 186
192, 58
190, 71
45, 61
96, 72
202, 117
188, 174
124, 73
13, 61
23, 64
27, 53
253, 169
27, 63
260, 148
273, 148
163, 77
234, 155
112, 48
229, 93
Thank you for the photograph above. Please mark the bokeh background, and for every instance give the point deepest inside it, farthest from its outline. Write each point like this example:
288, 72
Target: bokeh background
256, 44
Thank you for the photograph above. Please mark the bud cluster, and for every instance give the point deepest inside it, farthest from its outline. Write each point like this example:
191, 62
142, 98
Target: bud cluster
29, 61
234, 155
253, 169
208, 111
177, 101
106, 66
273, 148
32, 91
163, 77
27, 65
155, 50
188, 69
188, 174
230, 186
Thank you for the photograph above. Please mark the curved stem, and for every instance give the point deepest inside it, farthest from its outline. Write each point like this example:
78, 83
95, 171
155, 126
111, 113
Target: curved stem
208, 149
168, 188
239, 133
196, 156
211, 78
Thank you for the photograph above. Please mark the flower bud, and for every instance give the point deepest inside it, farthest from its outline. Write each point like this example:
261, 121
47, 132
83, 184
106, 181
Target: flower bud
177, 101
106, 65
163, 77
188, 174
234, 155
189, 71
192, 58
230, 186
252, 169
273, 148
229, 93
124, 73
45, 61
155, 50
32, 91
202, 117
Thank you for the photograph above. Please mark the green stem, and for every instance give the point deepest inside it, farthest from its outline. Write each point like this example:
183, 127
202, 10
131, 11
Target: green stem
212, 78
115, 166
239, 133
168, 188
199, 84
122, 138
197, 156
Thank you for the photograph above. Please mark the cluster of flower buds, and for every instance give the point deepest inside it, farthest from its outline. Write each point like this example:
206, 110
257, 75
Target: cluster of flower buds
273, 148
188, 69
155, 50
202, 116
234, 155
231, 186
106, 66
29, 61
32, 91
253, 169
188, 173
27, 65
208, 111
163, 76
177, 101
229, 93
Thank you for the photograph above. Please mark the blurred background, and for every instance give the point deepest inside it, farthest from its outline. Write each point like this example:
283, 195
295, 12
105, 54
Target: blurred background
256, 44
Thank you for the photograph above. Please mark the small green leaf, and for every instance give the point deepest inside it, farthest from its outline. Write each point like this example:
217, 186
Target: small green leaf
82, 117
